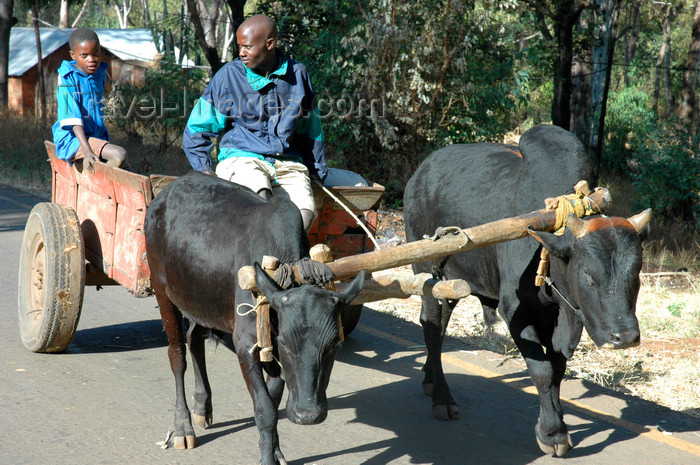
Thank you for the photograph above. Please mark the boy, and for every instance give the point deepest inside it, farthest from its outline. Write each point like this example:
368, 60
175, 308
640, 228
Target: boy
80, 132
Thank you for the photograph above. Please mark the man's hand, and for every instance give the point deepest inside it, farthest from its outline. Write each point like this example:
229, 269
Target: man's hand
89, 162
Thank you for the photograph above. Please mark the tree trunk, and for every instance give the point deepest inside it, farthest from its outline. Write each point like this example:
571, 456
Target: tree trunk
561, 103
80, 15
603, 51
664, 58
40, 65
236, 10
6, 7
123, 13
237, 17
632, 36
209, 17
210, 52
581, 78
63, 15
565, 17
687, 111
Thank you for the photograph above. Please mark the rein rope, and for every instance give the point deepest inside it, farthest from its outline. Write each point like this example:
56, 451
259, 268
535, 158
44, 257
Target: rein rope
345, 207
549, 282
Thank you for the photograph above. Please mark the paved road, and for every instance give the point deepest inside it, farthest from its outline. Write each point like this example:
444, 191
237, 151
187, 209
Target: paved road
109, 398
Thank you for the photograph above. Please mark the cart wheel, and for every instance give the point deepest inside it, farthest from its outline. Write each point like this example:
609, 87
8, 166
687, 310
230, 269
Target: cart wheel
351, 316
51, 278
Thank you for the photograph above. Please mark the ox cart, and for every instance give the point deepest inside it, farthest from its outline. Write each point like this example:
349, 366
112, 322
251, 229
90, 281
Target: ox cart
92, 234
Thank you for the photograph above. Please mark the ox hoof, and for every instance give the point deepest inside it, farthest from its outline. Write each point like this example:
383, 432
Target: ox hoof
558, 448
280, 458
446, 412
182, 442
204, 421
428, 389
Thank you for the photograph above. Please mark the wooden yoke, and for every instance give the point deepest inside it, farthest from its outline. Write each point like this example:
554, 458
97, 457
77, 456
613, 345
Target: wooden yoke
495, 232
262, 324
323, 254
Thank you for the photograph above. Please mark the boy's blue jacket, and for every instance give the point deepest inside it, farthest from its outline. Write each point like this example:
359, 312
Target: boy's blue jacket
268, 118
79, 100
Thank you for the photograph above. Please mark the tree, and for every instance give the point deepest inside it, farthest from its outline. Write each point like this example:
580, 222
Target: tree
663, 62
603, 51
40, 63
206, 21
123, 11
632, 35
564, 14
6, 22
63, 15
687, 110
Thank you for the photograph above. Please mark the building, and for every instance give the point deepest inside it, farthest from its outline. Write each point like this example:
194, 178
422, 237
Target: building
128, 51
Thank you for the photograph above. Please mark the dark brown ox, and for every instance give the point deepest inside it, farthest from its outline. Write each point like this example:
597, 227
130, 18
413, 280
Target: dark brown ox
200, 230
594, 269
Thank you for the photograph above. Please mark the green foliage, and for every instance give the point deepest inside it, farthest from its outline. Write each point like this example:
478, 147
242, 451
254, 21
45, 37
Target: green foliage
661, 157
438, 73
675, 308
23, 156
628, 124
667, 174
156, 112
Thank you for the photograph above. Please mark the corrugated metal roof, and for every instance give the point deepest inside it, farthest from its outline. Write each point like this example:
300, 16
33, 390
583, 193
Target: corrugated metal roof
126, 44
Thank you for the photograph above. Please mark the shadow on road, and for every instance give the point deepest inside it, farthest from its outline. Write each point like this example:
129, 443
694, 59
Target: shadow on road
136, 335
474, 438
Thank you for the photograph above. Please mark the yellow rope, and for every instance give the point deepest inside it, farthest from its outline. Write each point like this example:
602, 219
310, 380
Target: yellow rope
576, 203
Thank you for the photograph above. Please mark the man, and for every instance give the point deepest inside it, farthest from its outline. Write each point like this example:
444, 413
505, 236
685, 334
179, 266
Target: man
264, 105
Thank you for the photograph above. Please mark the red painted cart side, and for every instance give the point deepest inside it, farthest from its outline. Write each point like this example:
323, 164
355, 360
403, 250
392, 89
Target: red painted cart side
111, 206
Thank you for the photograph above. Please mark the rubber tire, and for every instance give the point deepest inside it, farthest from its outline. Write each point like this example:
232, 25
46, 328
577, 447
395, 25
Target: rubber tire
350, 317
51, 278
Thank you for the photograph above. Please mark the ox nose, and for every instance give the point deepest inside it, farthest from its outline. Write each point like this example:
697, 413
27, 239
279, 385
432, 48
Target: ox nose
307, 417
624, 339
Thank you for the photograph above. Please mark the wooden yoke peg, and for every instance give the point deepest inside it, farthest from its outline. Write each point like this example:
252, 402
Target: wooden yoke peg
322, 253
269, 264
583, 187
542, 268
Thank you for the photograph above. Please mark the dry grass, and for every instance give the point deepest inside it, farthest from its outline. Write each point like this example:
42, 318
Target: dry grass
25, 163
664, 368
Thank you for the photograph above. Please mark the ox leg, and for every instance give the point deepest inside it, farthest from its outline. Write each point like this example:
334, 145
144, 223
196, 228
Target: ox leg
275, 386
546, 372
202, 411
183, 435
264, 404
434, 323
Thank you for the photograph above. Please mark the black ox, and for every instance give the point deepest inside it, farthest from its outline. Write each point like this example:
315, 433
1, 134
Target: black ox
595, 264
200, 230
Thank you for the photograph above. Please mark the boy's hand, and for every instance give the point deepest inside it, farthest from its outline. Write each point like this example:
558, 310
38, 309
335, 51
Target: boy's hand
89, 162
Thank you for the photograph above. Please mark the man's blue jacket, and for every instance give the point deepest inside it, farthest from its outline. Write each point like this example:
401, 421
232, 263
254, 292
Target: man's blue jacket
274, 117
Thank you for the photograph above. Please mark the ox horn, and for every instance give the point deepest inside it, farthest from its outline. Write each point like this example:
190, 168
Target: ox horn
640, 220
576, 225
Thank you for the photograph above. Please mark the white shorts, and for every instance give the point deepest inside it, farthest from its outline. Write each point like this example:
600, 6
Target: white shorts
287, 178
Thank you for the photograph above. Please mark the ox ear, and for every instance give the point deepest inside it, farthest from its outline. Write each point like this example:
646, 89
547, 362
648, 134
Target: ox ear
559, 246
348, 294
266, 284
